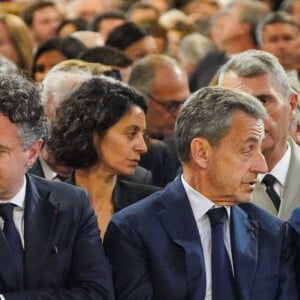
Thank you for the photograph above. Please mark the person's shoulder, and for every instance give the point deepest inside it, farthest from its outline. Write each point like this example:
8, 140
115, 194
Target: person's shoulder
150, 206
52, 185
127, 193
148, 194
295, 149
135, 186
58, 192
265, 219
295, 219
141, 175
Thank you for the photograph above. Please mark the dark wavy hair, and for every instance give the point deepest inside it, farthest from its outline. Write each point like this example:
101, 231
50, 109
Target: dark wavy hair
95, 106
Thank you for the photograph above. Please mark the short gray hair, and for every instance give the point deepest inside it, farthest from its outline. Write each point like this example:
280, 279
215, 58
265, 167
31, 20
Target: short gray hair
208, 113
257, 62
194, 47
64, 78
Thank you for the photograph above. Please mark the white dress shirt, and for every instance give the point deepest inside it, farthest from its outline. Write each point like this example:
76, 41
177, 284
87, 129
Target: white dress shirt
200, 206
280, 172
48, 172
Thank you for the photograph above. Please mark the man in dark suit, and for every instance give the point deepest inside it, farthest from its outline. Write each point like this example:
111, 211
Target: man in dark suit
49, 239
165, 247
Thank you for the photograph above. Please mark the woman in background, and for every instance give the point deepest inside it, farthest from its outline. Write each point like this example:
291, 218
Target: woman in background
15, 42
52, 52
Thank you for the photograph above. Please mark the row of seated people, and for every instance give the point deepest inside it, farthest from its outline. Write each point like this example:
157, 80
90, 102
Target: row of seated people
163, 246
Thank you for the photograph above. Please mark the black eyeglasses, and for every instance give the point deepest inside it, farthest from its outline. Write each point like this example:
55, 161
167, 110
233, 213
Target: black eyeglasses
170, 106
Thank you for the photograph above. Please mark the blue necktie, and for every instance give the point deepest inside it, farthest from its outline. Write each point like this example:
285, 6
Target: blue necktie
13, 239
222, 276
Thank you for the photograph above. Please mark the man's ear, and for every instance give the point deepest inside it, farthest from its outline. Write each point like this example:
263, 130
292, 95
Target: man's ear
33, 152
200, 149
293, 103
297, 134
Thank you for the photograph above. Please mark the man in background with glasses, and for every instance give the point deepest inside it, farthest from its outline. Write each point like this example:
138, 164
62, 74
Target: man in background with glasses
165, 85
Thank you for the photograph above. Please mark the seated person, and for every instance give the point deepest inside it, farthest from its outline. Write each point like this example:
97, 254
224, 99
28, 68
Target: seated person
200, 238
49, 237
99, 131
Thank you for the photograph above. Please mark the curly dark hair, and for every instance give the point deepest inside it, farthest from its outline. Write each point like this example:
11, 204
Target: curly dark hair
20, 102
95, 106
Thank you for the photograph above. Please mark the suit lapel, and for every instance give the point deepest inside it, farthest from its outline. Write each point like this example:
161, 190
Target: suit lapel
7, 275
290, 198
292, 188
244, 246
261, 198
177, 218
39, 221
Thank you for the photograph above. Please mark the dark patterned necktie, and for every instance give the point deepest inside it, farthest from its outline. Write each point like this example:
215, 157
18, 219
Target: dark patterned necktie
13, 239
222, 275
269, 181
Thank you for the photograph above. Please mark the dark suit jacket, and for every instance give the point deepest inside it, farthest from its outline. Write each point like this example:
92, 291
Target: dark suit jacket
206, 69
141, 175
37, 169
158, 160
156, 253
295, 224
126, 193
64, 258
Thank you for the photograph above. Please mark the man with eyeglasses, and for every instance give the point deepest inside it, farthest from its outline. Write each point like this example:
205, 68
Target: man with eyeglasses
165, 85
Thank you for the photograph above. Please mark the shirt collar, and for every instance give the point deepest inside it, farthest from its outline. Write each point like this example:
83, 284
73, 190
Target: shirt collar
281, 168
199, 203
48, 172
19, 198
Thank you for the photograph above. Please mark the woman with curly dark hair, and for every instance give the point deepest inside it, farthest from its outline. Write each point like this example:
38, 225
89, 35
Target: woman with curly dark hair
99, 131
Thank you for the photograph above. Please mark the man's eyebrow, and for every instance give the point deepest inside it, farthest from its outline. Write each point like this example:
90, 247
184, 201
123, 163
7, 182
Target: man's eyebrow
254, 139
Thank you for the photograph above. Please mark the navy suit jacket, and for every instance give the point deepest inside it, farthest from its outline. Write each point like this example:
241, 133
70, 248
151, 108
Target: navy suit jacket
295, 223
156, 253
64, 258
